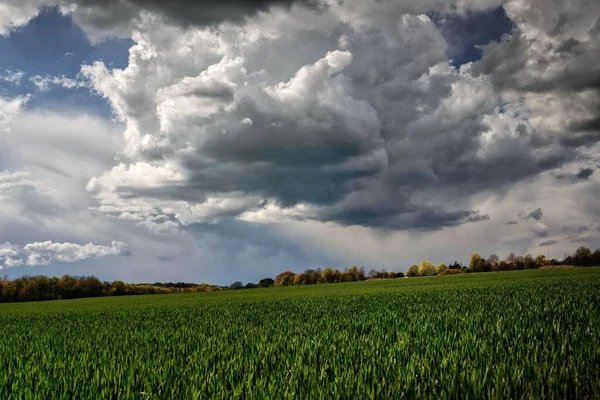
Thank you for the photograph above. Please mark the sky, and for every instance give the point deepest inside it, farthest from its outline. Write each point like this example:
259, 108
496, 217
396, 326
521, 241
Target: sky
230, 140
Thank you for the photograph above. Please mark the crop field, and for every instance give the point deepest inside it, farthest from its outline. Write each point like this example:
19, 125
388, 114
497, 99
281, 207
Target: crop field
522, 334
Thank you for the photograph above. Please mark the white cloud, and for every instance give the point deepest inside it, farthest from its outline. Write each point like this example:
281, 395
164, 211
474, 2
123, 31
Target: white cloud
44, 83
16, 13
9, 108
12, 77
48, 252
9, 255
44, 253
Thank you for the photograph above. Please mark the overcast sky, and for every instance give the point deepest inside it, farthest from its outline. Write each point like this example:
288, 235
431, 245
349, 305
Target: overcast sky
215, 141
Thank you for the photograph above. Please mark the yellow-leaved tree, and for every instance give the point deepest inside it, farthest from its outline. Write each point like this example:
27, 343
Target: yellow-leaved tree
426, 268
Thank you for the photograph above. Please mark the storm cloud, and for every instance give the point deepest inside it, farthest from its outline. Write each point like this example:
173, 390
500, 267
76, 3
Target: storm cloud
335, 139
383, 117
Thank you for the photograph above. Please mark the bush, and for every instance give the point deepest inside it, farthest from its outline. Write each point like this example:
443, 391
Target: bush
451, 272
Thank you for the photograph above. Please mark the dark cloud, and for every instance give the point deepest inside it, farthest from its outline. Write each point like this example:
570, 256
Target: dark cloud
511, 223
536, 214
584, 173
575, 228
547, 243
508, 64
587, 125
580, 139
106, 14
549, 56
381, 132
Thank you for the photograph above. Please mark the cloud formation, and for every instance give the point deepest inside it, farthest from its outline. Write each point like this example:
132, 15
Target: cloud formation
48, 252
368, 124
320, 114
318, 146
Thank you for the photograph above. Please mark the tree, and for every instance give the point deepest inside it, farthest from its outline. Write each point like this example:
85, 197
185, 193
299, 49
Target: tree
479, 264
300, 279
582, 257
503, 266
355, 274
426, 268
441, 269
456, 265
236, 285
475, 262
285, 278
413, 270
596, 258
511, 260
493, 261
117, 288
519, 263
251, 285
541, 261
330, 275
267, 282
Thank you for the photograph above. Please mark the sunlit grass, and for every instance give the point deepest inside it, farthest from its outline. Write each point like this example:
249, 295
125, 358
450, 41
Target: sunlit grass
516, 334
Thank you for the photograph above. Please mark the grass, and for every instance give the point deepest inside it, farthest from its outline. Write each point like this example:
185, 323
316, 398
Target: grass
522, 334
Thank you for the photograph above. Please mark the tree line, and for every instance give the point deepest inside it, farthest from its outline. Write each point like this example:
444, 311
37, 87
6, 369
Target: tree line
41, 287
331, 275
315, 276
583, 257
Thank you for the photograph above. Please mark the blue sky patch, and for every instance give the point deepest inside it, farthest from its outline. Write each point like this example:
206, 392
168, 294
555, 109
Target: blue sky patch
465, 33
52, 45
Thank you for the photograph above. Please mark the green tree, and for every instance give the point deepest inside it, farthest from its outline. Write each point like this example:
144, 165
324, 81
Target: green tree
267, 282
583, 257
413, 270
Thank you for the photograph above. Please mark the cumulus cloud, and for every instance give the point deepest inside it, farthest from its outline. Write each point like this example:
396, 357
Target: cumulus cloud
9, 108
9, 255
337, 113
16, 13
366, 124
45, 253
323, 141
548, 61
103, 18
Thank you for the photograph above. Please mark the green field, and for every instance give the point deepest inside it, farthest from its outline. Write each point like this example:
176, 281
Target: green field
522, 334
